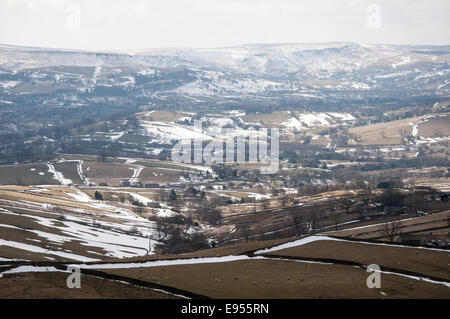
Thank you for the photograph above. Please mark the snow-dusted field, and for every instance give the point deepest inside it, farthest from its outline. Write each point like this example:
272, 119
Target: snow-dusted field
89, 230
87, 239
219, 127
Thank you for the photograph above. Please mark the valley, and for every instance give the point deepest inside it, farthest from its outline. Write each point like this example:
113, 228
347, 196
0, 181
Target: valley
339, 160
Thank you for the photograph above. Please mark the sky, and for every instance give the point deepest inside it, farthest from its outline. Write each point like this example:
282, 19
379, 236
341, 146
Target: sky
137, 24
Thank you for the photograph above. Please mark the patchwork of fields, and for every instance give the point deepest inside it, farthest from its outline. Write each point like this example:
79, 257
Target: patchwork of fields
313, 267
308, 231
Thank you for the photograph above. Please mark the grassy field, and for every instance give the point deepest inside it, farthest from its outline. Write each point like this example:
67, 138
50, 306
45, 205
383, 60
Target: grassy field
97, 232
241, 279
155, 175
137, 139
159, 164
321, 140
412, 225
430, 262
385, 133
240, 249
435, 127
26, 174
96, 171
282, 279
69, 170
268, 120
53, 286
268, 276
17, 235
105, 172
163, 116
39, 199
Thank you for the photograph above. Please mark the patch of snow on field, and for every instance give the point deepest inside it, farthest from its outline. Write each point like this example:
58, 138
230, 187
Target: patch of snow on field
257, 196
144, 200
167, 132
37, 249
39, 190
130, 161
446, 284
115, 244
299, 242
136, 172
25, 269
58, 175
310, 239
293, 123
9, 84
156, 151
10, 259
217, 121
165, 212
198, 168
343, 116
171, 262
80, 196
80, 172
405, 60
116, 137
315, 119
415, 131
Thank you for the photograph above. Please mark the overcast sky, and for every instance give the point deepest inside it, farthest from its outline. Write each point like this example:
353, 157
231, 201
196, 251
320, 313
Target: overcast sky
139, 24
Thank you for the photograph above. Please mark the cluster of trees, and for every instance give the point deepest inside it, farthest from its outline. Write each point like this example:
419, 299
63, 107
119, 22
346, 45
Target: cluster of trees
98, 195
367, 205
174, 238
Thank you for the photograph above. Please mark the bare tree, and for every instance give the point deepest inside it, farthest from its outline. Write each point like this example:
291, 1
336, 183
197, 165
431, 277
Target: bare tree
139, 210
391, 198
265, 203
347, 204
245, 230
341, 177
360, 211
101, 157
366, 199
122, 197
297, 220
335, 217
391, 229
311, 222
416, 203
163, 229
211, 216
134, 230
284, 200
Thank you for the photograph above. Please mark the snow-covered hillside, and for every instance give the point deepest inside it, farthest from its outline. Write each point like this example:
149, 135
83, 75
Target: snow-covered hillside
304, 71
